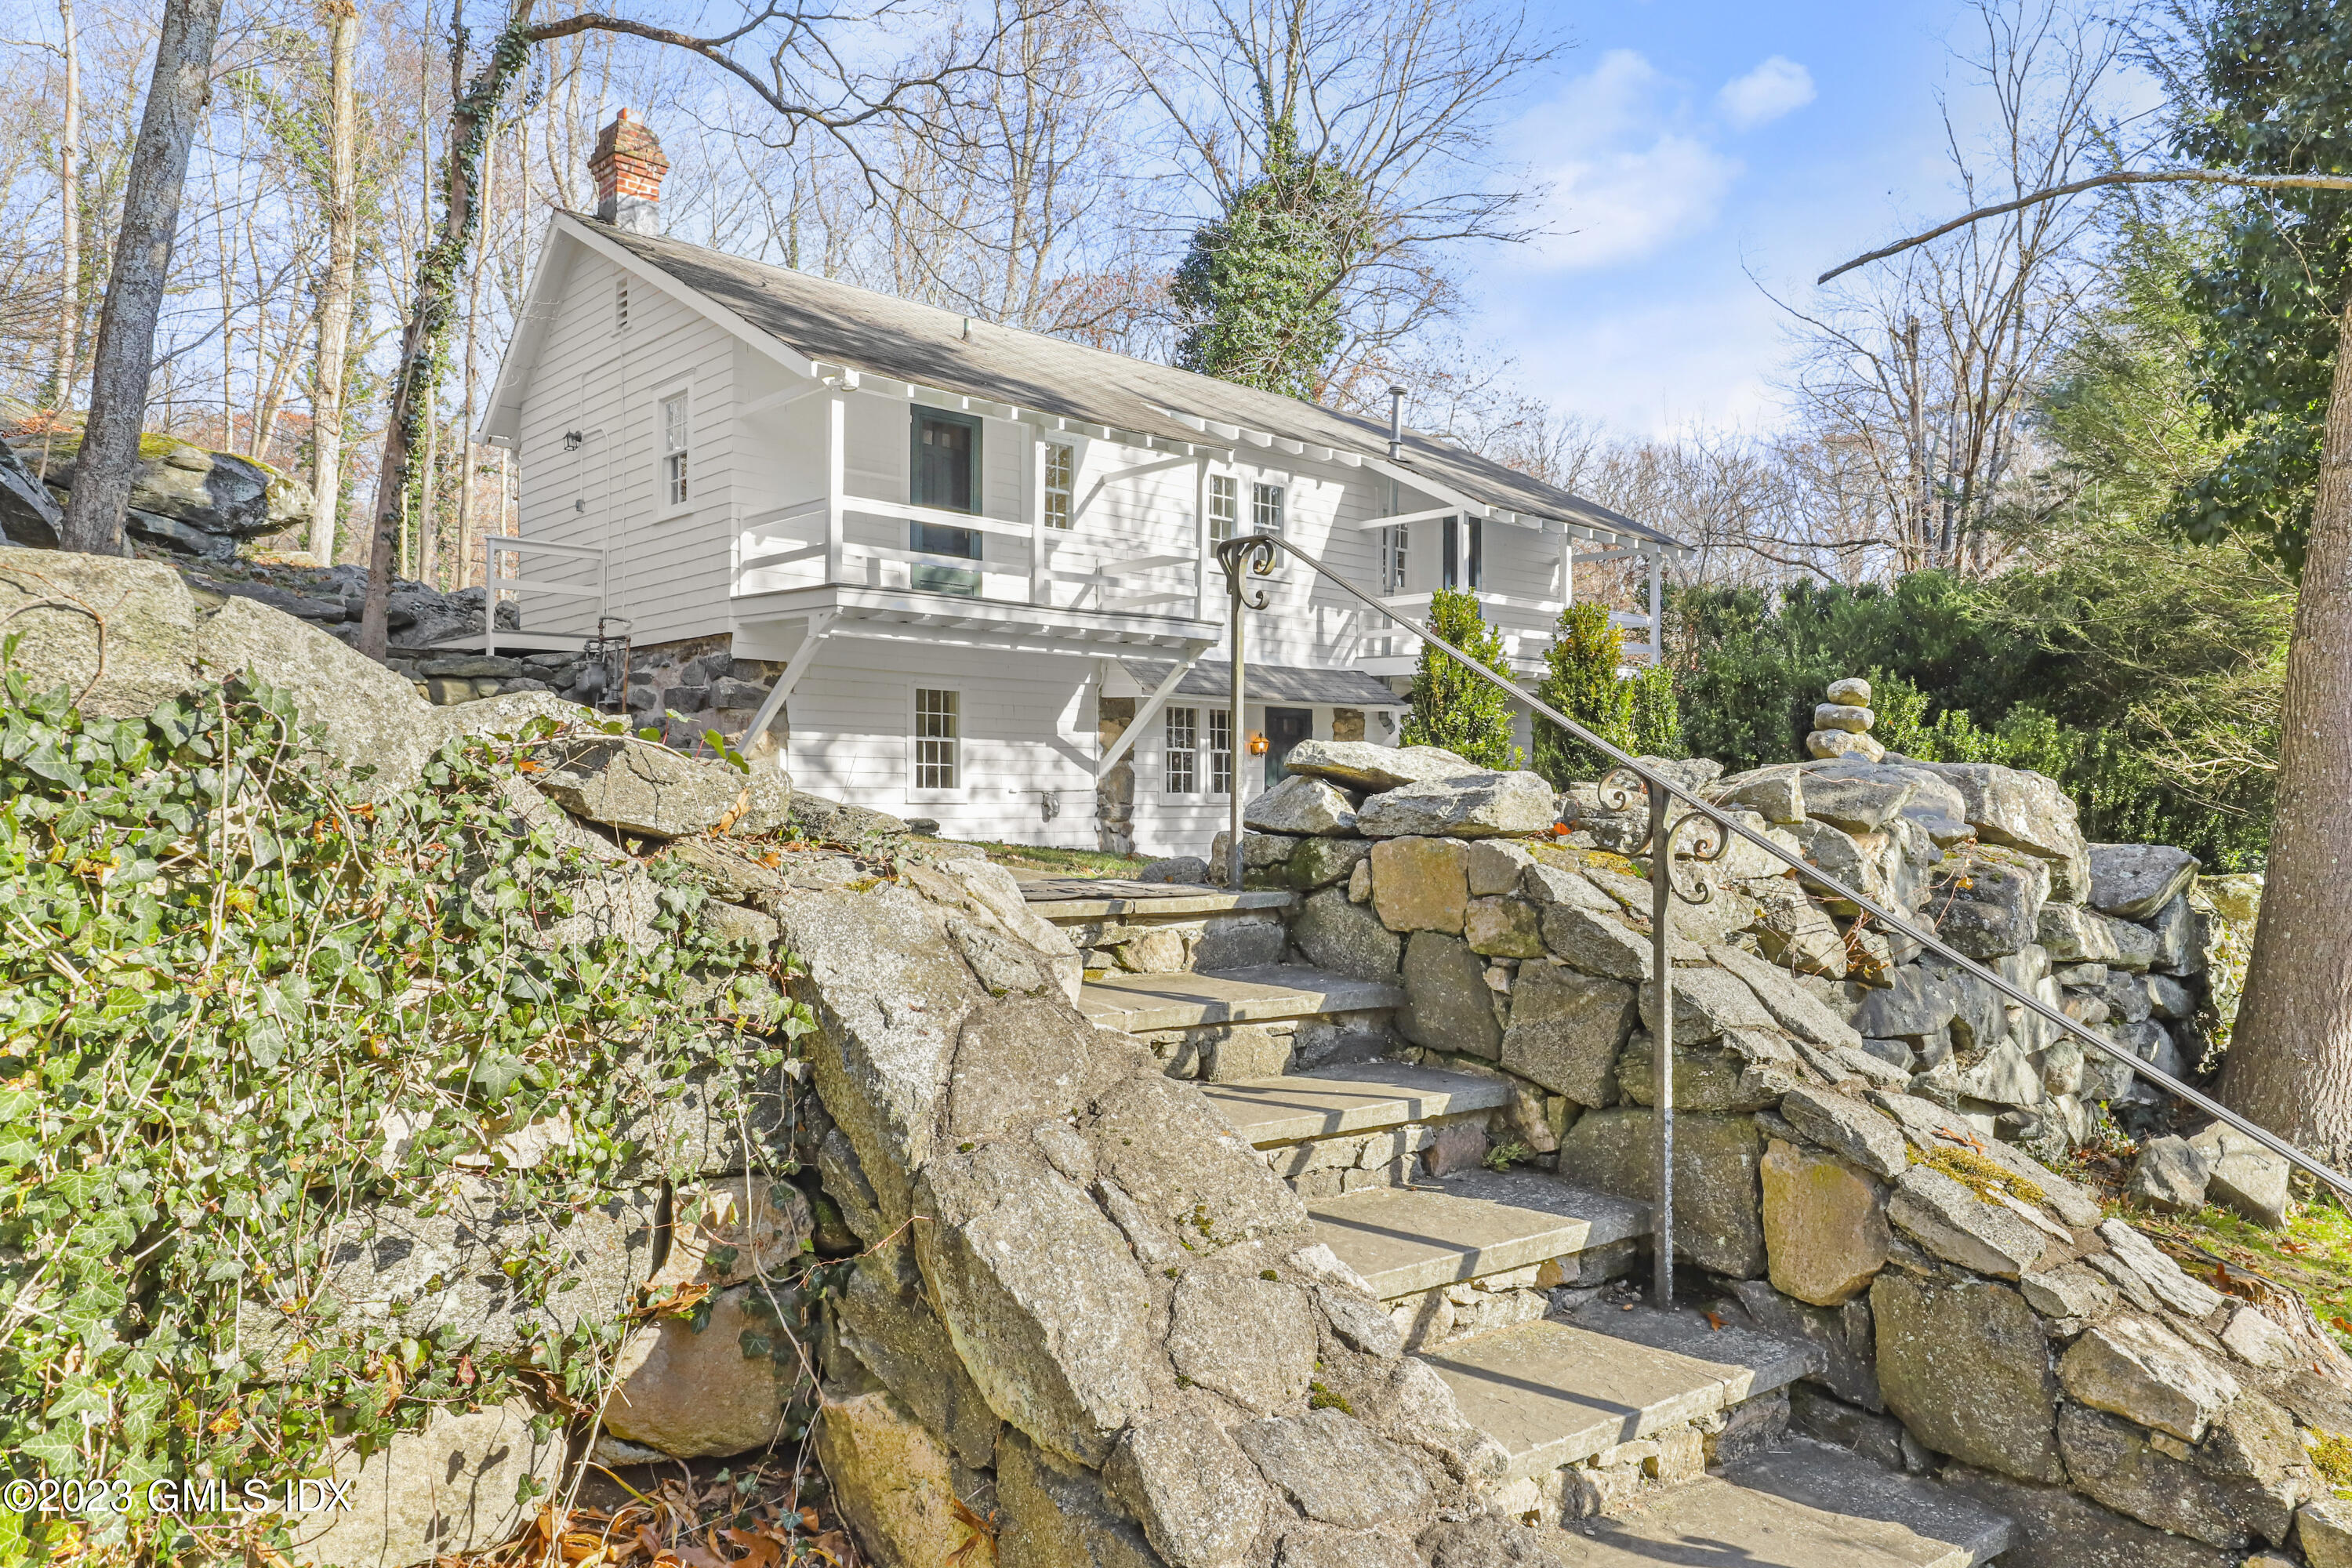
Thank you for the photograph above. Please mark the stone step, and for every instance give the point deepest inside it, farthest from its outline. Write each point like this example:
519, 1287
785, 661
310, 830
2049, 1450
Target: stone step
1066, 899
1141, 1003
1355, 1097
1558, 1391
1806, 1506
1448, 1229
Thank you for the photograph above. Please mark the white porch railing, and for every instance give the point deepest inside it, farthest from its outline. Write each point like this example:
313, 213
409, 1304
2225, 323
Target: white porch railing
799, 546
573, 574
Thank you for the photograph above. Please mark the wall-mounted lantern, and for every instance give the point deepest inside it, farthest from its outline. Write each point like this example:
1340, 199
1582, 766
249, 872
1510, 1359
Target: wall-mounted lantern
1256, 744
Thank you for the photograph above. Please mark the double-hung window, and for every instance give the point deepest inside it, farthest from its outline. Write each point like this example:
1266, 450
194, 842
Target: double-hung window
1199, 752
1392, 557
675, 435
939, 739
1061, 471
943, 473
1265, 509
1183, 751
1225, 507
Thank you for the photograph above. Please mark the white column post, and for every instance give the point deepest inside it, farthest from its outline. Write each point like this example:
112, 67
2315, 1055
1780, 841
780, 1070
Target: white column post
836, 441
1567, 566
1658, 606
1200, 539
1041, 549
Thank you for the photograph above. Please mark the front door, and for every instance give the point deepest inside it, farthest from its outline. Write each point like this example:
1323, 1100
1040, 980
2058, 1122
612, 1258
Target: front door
1285, 728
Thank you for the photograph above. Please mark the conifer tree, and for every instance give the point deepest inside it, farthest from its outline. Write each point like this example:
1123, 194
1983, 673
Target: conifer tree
1580, 681
1452, 707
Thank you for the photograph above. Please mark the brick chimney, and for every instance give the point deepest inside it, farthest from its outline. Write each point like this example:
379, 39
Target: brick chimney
628, 168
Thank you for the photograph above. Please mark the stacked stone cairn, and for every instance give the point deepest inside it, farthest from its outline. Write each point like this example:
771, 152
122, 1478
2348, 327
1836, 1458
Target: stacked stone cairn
1842, 725
1865, 1135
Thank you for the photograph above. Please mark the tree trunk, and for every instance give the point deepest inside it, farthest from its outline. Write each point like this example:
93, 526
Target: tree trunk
68, 219
419, 366
134, 290
335, 297
2290, 1061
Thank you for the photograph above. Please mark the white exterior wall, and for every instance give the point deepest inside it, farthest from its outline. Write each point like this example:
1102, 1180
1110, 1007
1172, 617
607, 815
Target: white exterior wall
1028, 724
666, 570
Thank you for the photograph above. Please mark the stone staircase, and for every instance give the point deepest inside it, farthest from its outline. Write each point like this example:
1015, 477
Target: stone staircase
1637, 1436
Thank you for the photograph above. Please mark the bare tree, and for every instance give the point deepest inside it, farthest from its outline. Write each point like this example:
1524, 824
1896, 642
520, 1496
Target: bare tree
142, 262
339, 288
68, 216
1403, 97
1923, 378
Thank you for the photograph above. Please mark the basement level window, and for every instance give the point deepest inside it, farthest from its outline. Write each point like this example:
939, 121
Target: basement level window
939, 741
1196, 750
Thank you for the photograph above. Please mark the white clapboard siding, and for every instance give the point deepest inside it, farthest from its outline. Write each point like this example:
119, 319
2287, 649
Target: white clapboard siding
1028, 720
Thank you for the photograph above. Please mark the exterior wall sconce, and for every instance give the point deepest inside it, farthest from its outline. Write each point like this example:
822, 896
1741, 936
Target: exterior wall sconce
1256, 744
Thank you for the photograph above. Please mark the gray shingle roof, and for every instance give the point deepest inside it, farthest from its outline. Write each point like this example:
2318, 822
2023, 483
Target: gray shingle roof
842, 324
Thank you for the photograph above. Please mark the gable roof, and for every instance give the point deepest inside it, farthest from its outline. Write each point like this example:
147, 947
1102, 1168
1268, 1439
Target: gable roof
830, 323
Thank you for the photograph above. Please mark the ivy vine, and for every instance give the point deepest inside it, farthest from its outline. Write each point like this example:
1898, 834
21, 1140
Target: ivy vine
237, 1003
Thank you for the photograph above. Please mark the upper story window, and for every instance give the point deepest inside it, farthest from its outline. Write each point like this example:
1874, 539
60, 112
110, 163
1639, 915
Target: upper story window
1465, 552
939, 739
1061, 471
1393, 558
1265, 509
1225, 507
944, 469
673, 440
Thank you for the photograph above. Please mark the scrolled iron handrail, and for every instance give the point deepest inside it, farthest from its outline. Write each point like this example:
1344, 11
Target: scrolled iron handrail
1659, 785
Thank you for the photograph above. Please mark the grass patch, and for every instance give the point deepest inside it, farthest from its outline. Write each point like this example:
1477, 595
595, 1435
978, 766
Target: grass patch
2312, 1257
1979, 1173
1046, 858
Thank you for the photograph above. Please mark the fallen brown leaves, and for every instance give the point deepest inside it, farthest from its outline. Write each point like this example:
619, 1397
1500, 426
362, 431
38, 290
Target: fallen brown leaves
680, 1523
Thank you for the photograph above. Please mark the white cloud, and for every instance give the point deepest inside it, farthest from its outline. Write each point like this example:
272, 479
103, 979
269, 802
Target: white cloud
1766, 93
1624, 178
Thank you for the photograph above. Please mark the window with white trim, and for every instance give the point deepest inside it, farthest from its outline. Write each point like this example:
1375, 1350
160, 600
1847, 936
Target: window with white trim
1061, 471
1221, 752
1225, 507
1181, 771
674, 433
1265, 509
1392, 557
938, 740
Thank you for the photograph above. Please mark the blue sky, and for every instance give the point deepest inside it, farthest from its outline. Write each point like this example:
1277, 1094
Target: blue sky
1690, 143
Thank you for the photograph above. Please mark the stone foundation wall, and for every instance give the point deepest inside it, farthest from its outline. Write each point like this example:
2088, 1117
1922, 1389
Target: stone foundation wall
1864, 1137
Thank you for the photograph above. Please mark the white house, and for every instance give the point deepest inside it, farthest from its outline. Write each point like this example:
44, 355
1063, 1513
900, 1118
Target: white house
970, 565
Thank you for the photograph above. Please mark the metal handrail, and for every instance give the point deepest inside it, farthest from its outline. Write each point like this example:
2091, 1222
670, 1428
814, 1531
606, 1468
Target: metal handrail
1254, 553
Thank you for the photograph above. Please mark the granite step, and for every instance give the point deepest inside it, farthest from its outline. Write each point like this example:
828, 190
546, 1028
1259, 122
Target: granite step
1447, 1229
1139, 1004
1355, 1097
1064, 900
1807, 1505
1558, 1391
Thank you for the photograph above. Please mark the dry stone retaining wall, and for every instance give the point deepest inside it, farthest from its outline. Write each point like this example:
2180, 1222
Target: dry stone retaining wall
1865, 1135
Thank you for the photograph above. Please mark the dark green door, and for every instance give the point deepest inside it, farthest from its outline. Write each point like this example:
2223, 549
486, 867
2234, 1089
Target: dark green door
943, 471
1285, 728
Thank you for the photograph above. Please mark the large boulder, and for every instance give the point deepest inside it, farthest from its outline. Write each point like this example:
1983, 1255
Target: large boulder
451, 1489
1419, 884
2136, 1368
2060, 1527
185, 497
2008, 806
1987, 904
1366, 768
895, 1482
2072, 934
2132, 881
1718, 1220
708, 1385
160, 642
1826, 1233
1346, 938
1967, 1368
644, 788
1858, 797
1449, 1005
2244, 1175
1467, 805
29, 516
1566, 1029
1302, 806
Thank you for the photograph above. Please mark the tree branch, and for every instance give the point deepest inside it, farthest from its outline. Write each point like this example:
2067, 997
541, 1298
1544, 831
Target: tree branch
2112, 177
